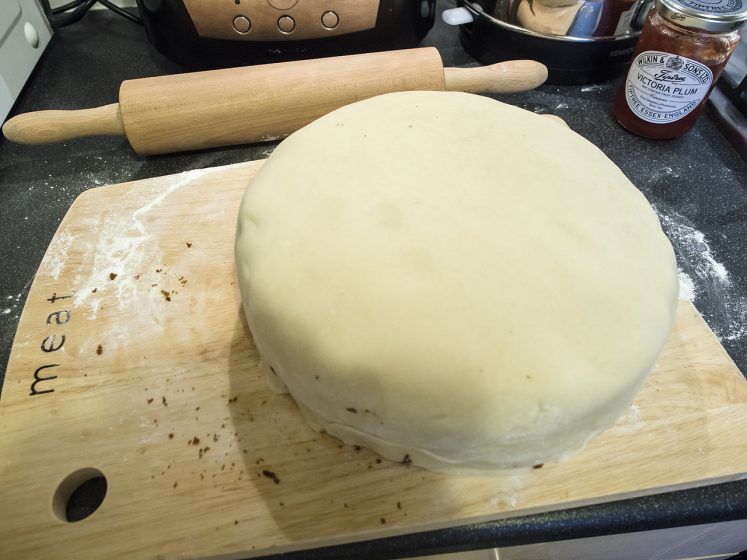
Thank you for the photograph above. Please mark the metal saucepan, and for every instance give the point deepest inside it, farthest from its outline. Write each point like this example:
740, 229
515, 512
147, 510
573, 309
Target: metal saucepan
580, 41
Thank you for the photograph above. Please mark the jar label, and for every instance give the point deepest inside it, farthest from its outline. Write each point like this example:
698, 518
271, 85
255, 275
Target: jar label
662, 87
714, 6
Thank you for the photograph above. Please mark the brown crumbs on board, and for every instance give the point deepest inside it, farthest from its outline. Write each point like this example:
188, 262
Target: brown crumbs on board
271, 475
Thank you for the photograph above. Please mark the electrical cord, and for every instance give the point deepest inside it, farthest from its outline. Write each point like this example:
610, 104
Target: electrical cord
76, 14
66, 7
73, 11
121, 11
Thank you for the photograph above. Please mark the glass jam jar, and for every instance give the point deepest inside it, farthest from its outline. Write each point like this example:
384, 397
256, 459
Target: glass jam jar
683, 48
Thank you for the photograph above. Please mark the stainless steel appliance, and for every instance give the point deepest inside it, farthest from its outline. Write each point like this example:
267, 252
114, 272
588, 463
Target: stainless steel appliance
225, 32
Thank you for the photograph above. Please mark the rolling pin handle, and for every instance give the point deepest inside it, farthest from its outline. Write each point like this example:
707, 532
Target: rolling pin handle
45, 127
504, 77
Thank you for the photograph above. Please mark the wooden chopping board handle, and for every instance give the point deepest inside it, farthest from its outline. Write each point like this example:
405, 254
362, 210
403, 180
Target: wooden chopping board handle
45, 127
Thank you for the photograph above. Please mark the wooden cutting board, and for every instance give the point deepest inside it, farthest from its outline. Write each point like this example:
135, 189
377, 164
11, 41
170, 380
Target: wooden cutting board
132, 358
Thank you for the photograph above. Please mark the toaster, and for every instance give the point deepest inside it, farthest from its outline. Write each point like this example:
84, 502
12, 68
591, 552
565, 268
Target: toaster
210, 33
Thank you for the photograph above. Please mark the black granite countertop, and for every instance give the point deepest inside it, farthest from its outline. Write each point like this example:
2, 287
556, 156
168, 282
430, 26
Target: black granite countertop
698, 185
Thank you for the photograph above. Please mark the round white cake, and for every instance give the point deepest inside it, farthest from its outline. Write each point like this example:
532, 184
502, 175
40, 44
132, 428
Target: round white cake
452, 281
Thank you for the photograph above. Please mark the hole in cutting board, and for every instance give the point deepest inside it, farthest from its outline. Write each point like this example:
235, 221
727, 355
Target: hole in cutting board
79, 495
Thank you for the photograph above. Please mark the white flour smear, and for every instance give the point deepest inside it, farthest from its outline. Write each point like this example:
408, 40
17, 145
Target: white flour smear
633, 415
630, 421
503, 500
587, 89
700, 272
57, 254
121, 254
687, 286
12, 304
662, 173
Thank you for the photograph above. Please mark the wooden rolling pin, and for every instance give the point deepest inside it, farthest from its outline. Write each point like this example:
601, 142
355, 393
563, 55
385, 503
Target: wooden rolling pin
259, 103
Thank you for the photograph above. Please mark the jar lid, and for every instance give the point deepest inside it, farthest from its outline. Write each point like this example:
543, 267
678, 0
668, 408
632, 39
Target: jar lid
713, 16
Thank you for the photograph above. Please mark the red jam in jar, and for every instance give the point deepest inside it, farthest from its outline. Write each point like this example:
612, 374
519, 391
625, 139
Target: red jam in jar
683, 48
